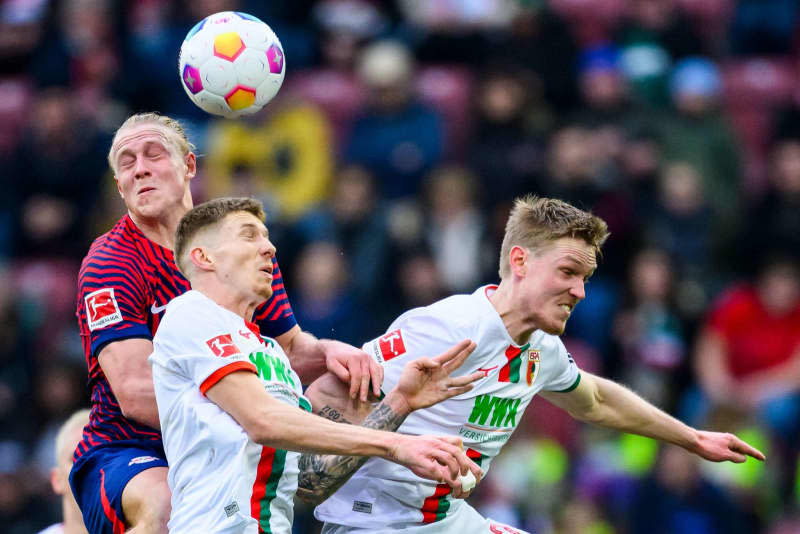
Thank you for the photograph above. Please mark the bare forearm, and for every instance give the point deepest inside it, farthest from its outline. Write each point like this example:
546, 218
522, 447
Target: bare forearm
138, 403
307, 357
619, 408
321, 475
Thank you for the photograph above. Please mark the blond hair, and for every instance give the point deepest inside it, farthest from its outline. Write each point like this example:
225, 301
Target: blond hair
173, 132
535, 222
76, 421
206, 215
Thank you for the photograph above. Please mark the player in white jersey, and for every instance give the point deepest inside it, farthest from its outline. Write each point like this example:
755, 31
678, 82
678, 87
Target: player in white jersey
232, 409
548, 252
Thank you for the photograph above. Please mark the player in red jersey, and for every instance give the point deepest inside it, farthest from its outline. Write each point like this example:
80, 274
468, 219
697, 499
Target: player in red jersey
120, 473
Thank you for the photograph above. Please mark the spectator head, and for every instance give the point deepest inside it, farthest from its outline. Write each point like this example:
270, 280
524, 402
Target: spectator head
601, 79
681, 188
695, 86
677, 469
345, 25
651, 275
418, 279
387, 69
778, 284
322, 272
652, 14
570, 155
502, 95
354, 196
785, 165
451, 191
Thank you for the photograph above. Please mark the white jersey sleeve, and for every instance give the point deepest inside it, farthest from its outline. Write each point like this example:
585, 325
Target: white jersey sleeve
564, 375
196, 346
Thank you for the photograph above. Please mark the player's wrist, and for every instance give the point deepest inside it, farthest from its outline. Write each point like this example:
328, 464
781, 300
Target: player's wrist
398, 403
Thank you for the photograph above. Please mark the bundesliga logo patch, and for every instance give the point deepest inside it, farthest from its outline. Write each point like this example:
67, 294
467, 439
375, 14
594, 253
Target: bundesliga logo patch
392, 345
223, 346
102, 308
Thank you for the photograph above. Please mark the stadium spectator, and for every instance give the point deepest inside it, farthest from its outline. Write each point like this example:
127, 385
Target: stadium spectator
354, 218
698, 134
747, 357
456, 228
397, 138
125, 283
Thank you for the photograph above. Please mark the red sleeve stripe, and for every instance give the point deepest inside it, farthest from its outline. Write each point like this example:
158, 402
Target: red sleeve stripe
222, 372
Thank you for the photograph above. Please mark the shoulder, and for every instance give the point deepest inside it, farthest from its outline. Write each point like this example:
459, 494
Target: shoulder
190, 310
116, 250
455, 317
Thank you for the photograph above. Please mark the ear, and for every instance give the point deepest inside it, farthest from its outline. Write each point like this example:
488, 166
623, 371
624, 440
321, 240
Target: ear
202, 258
119, 189
191, 165
57, 481
518, 258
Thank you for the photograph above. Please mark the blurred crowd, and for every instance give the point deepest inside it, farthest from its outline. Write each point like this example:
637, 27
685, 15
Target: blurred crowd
388, 163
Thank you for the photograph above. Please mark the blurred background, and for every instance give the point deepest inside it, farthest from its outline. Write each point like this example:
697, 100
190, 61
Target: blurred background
388, 164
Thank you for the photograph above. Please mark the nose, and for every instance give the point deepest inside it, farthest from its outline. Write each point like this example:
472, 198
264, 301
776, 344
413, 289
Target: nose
578, 290
267, 248
141, 169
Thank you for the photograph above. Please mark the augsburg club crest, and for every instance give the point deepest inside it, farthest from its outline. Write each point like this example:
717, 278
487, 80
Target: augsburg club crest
533, 366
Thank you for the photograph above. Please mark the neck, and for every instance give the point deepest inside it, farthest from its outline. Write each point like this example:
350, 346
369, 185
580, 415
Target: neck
519, 326
73, 520
241, 306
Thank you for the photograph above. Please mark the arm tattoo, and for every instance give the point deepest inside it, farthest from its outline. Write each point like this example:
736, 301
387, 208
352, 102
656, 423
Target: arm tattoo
333, 414
322, 474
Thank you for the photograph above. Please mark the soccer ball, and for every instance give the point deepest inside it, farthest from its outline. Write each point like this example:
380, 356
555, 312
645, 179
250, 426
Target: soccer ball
231, 64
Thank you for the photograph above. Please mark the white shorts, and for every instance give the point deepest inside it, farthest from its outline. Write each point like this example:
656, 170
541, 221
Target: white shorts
466, 520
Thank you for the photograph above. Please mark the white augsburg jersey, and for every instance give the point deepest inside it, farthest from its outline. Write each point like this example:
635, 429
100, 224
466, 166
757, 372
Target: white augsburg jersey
383, 493
221, 481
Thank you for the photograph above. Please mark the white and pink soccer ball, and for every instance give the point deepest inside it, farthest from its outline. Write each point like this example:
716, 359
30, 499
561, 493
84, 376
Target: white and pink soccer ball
231, 64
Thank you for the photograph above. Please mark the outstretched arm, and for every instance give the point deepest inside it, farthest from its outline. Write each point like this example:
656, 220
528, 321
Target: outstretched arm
424, 382
606, 403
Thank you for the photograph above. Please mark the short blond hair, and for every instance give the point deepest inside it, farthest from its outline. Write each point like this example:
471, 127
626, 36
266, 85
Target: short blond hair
76, 421
206, 215
173, 130
535, 222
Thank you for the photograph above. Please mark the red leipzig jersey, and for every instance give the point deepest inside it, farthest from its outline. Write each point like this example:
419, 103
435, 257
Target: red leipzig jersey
124, 285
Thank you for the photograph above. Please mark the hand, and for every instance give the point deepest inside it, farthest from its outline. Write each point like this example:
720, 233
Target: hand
426, 381
354, 367
439, 458
720, 447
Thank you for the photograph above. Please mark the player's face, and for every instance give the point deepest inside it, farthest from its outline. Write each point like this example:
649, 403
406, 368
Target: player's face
152, 176
554, 281
244, 256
